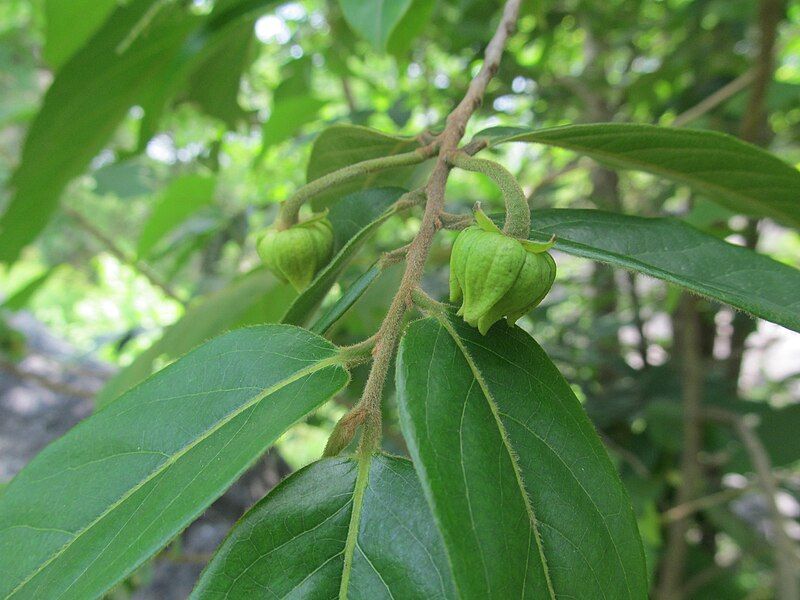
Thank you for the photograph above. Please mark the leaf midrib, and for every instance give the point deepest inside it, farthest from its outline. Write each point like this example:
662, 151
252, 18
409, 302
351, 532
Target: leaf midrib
445, 323
362, 478
330, 361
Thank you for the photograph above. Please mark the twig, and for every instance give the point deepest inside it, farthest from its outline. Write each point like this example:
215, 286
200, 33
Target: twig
47, 383
552, 177
121, 255
688, 347
723, 94
785, 549
682, 511
638, 322
368, 410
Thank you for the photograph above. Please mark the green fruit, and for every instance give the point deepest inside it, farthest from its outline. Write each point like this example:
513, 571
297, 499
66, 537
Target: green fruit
497, 275
297, 253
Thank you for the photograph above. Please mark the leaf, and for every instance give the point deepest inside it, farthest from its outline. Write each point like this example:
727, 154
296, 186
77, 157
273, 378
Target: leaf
525, 496
740, 176
116, 488
80, 112
20, 298
355, 219
414, 21
143, 54
675, 252
287, 117
69, 23
365, 518
225, 68
343, 145
179, 200
374, 21
348, 299
256, 297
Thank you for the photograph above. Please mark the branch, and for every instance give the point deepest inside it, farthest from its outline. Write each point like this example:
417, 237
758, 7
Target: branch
708, 104
121, 255
369, 407
687, 344
785, 549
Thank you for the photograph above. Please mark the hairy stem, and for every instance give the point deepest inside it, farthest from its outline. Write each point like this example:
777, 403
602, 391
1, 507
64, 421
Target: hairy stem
368, 409
518, 214
290, 209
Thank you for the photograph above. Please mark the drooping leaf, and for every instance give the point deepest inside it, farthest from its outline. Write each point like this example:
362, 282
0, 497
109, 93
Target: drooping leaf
343, 145
678, 253
256, 297
287, 117
340, 527
179, 200
90, 95
355, 219
741, 176
348, 299
224, 67
374, 21
142, 54
20, 298
69, 24
527, 500
116, 488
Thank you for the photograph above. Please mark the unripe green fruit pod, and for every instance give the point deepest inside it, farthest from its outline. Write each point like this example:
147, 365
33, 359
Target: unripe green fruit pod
497, 275
297, 253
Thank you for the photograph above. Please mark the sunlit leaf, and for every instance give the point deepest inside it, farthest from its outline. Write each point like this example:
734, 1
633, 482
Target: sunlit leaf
115, 489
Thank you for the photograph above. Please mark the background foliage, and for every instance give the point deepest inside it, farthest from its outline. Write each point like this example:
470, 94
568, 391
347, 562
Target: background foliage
134, 191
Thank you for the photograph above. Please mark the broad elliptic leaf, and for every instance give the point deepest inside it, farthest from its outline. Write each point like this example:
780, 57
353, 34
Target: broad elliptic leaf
374, 21
178, 201
527, 500
741, 176
339, 528
254, 298
343, 145
116, 488
355, 219
678, 253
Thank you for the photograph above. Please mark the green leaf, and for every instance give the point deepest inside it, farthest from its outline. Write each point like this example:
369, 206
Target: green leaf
527, 500
348, 299
115, 489
256, 297
355, 219
740, 176
20, 298
179, 200
417, 17
224, 67
287, 117
677, 253
90, 95
366, 520
374, 21
69, 23
343, 145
